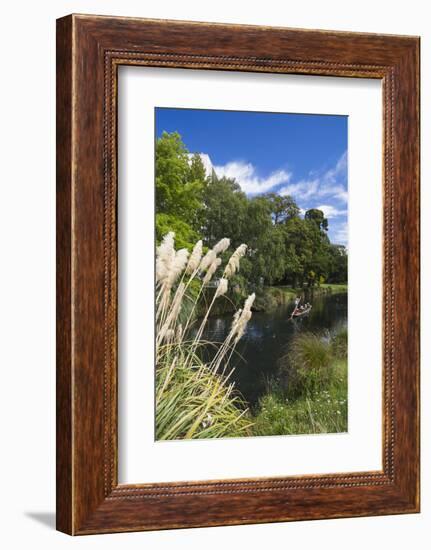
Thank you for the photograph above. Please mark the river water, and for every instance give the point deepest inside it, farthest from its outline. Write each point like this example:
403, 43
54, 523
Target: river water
267, 339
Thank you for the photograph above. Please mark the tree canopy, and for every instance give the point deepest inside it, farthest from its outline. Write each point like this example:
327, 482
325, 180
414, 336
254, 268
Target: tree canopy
283, 247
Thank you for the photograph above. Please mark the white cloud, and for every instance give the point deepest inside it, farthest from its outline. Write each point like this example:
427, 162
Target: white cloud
340, 170
341, 234
301, 190
332, 183
341, 195
245, 174
330, 211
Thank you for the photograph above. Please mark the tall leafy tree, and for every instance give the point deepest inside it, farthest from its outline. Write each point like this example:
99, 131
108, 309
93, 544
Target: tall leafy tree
197, 169
282, 246
283, 208
299, 242
225, 212
338, 271
178, 191
318, 217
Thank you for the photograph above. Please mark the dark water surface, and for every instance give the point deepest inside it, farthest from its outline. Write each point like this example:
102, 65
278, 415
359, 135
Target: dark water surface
267, 339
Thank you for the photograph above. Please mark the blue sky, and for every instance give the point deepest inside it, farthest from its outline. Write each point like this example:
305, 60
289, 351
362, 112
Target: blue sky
301, 155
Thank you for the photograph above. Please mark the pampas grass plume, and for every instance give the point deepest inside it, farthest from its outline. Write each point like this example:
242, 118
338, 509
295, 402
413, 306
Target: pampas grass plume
195, 258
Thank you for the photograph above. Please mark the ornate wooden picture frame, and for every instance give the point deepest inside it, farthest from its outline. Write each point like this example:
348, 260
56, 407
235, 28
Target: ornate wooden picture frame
89, 51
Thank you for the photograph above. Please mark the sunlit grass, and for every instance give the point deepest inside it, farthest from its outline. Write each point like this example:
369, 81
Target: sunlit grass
311, 395
322, 412
194, 402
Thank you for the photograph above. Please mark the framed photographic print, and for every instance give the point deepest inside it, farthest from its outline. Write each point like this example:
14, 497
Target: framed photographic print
237, 274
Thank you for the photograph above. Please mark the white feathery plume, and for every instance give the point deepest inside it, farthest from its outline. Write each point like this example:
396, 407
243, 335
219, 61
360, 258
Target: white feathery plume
169, 335
207, 260
221, 246
166, 248
177, 301
165, 255
173, 313
177, 266
244, 317
235, 320
221, 288
211, 270
195, 258
233, 263
161, 271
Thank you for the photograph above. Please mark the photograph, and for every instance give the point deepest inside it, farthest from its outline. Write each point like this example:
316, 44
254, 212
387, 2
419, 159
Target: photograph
251, 273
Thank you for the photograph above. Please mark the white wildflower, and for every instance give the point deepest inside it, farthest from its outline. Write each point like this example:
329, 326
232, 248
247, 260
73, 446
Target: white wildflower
195, 258
221, 288
233, 264
221, 246
208, 421
211, 270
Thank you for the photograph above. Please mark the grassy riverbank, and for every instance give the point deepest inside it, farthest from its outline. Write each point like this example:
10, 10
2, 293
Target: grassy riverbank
310, 395
338, 287
323, 411
197, 398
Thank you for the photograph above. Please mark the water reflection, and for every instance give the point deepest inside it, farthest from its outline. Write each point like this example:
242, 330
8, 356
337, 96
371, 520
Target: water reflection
267, 339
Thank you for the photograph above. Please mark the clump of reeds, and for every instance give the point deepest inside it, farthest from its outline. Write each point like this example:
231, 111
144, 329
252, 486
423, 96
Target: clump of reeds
195, 399
307, 364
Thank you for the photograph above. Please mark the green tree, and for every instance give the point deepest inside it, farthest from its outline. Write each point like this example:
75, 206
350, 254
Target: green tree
197, 169
176, 192
225, 212
317, 217
180, 187
185, 235
299, 242
282, 246
283, 208
272, 256
338, 270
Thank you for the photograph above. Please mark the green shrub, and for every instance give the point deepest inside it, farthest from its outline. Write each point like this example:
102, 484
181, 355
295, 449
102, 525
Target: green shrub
185, 235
